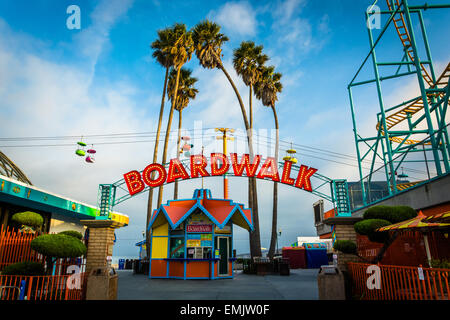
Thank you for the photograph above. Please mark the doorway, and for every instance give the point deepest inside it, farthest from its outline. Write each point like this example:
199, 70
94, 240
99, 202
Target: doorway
224, 256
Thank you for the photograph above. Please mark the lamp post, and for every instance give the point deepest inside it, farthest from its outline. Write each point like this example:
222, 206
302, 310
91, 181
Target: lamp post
224, 137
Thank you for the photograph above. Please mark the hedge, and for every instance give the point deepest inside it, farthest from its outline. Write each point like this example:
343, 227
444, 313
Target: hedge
345, 246
26, 268
58, 246
367, 227
392, 214
28, 218
72, 233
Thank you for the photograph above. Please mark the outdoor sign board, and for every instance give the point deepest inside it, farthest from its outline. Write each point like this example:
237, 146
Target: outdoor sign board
220, 165
199, 228
193, 243
225, 230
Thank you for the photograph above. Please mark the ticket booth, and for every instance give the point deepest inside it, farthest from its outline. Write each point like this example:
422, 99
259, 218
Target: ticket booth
193, 238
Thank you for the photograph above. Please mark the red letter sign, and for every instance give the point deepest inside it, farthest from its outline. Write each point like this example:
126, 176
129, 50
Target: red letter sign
146, 175
238, 168
286, 176
198, 165
215, 171
271, 164
176, 170
134, 182
303, 178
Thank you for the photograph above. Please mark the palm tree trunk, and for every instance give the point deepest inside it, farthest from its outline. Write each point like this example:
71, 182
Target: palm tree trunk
255, 240
274, 235
175, 190
251, 105
155, 158
250, 185
166, 140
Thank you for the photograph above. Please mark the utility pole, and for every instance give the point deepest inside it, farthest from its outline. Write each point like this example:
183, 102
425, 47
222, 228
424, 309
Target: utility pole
203, 148
224, 138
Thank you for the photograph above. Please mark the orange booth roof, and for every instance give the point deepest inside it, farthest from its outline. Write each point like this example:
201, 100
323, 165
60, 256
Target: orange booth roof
219, 211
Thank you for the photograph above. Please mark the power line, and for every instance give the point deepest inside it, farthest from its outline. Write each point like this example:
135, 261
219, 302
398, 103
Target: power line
150, 134
107, 135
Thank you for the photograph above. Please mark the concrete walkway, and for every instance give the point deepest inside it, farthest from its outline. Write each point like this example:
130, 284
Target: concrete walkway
300, 285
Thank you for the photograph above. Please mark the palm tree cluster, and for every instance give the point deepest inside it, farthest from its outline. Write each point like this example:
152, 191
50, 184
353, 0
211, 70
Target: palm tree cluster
172, 49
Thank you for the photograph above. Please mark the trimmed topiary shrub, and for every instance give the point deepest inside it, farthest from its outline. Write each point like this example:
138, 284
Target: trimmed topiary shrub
72, 233
345, 246
402, 213
378, 212
392, 214
28, 218
367, 227
58, 246
54, 246
24, 269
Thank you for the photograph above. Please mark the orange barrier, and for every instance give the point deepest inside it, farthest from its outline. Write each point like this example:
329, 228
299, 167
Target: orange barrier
15, 247
43, 287
400, 283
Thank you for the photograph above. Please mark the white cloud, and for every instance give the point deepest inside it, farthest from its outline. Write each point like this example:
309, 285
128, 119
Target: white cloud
286, 9
236, 17
93, 39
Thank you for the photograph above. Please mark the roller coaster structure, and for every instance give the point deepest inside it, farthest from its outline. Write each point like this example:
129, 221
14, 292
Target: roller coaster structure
9, 169
427, 110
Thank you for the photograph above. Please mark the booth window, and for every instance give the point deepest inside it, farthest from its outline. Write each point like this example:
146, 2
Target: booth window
176, 247
199, 252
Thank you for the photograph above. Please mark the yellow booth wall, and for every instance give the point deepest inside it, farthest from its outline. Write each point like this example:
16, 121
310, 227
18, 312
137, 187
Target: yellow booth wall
160, 241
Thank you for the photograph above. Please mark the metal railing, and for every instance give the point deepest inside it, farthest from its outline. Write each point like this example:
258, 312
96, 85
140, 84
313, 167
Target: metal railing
65, 287
400, 283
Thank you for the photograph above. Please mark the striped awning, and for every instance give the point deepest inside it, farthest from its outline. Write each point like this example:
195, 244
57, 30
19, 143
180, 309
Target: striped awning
415, 223
443, 217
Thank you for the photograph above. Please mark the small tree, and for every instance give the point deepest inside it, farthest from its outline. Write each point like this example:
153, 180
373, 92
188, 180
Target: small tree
54, 246
377, 217
72, 233
28, 221
345, 246
26, 268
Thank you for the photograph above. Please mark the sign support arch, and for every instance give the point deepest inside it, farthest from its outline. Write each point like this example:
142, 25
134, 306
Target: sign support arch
218, 164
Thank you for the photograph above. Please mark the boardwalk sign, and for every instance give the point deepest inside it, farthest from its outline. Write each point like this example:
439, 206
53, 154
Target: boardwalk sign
155, 174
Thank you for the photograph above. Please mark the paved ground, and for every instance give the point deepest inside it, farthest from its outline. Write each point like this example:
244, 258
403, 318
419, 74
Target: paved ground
300, 285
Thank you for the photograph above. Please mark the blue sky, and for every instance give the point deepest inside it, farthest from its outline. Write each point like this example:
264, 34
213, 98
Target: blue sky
102, 79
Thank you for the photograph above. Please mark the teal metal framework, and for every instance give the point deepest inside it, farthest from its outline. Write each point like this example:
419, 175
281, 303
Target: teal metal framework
335, 191
429, 108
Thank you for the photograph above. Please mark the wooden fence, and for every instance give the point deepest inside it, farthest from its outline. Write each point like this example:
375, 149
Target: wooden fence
65, 287
400, 283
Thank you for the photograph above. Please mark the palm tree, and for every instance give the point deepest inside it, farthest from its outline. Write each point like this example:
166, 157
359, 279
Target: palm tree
186, 93
247, 61
159, 46
266, 89
180, 51
208, 43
